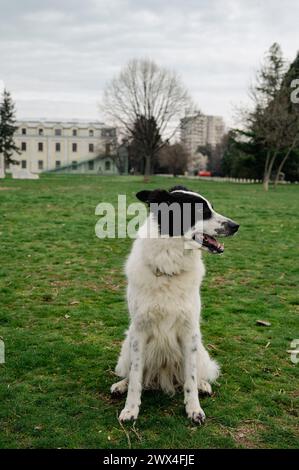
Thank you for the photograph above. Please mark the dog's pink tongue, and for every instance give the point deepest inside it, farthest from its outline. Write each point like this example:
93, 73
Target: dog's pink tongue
211, 240
214, 242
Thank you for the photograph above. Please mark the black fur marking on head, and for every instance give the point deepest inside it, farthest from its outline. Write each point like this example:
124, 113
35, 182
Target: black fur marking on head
155, 196
143, 196
178, 188
180, 196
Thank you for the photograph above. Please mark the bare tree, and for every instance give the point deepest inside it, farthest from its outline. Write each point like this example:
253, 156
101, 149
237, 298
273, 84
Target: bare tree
145, 93
274, 127
174, 158
286, 156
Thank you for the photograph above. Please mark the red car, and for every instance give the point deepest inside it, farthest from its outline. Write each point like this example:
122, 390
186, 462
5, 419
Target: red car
204, 173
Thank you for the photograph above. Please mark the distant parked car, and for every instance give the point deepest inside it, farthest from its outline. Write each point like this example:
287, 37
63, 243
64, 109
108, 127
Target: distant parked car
204, 173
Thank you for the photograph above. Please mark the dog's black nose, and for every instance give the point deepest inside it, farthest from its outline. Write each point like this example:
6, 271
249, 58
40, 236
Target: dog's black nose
232, 226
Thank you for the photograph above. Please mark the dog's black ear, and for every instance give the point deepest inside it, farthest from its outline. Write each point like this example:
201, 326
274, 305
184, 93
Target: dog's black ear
161, 195
157, 195
143, 196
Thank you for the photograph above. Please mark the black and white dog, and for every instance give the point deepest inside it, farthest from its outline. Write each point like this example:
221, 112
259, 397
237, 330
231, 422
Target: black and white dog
163, 347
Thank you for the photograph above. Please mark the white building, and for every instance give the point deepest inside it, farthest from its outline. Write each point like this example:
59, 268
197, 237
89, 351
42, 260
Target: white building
72, 146
200, 130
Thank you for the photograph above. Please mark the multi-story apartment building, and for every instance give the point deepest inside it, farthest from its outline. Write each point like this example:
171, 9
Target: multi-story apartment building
199, 130
70, 146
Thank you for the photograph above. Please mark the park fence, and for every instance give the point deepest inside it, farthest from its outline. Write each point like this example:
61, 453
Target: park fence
223, 179
227, 179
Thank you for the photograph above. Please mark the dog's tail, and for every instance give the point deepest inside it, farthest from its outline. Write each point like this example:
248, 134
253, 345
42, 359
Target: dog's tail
208, 369
122, 368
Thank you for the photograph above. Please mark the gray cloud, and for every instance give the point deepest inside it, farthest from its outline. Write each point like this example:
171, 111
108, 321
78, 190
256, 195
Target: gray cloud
56, 56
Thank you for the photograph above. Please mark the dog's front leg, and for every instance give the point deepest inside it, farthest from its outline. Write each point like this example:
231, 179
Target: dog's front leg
193, 408
131, 409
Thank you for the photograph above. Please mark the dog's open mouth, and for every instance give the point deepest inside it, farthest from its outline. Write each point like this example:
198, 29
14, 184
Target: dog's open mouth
208, 242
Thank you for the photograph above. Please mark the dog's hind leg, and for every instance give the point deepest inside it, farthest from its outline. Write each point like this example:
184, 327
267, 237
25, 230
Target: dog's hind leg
131, 409
119, 388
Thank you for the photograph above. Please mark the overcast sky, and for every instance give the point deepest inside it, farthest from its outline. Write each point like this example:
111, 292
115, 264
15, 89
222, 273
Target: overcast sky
57, 55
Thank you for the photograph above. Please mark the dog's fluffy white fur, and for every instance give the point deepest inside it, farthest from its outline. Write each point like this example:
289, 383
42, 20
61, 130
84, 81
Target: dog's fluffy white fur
163, 347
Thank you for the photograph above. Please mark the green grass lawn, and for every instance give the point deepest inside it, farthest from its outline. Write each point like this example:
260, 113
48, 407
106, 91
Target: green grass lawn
63, 314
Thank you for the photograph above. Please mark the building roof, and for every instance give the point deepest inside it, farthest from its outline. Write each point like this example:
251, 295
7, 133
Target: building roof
191, 117
66, 124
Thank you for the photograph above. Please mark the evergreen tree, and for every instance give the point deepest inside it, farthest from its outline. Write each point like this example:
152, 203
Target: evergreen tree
8, 129
291, 111
144, 139
266, 121
269, 142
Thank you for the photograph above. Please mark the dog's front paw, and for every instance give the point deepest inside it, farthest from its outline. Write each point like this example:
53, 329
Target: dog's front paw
197, 416
128, 414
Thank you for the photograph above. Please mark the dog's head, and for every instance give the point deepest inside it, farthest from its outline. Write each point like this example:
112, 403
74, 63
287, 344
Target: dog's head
183, 213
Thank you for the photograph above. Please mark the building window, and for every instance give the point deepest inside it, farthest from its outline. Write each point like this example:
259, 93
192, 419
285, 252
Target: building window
91, 165
24, 164
41, 132
107, 165
108, 132
58, 163
57, 132
91, 148
40, 146
57, 147
74, 165
74, 147
107, 149
24, 131
91, 133
40, 164
23, 146
75, 132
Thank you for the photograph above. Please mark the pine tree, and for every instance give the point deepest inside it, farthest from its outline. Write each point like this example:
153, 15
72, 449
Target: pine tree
291, 110
8, 129
267, 122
